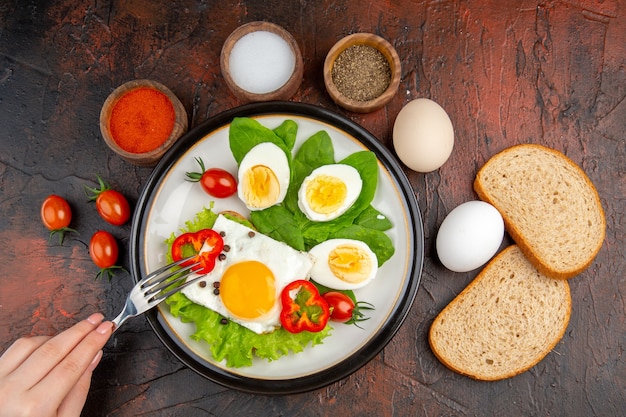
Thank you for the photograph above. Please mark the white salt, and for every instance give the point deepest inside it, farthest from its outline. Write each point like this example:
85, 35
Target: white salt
261, 62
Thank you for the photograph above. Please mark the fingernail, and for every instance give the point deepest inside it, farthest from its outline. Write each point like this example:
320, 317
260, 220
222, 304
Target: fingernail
104, 328
95, 361
95, 318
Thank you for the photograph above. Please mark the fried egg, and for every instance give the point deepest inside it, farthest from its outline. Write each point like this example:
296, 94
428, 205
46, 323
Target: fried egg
343, 264
264, 176
329, 191
245, 285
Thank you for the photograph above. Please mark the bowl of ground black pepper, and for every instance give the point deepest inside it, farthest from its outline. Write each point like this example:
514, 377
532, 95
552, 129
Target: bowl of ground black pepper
141, 120
362, 72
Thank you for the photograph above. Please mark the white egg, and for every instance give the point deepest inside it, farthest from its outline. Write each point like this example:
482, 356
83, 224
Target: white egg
264, 176
423, 136
250, 279
343, 264
469, 236
329, 191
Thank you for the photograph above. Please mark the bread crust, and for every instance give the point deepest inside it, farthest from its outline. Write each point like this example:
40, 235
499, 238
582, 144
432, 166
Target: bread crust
531, 252
493, 279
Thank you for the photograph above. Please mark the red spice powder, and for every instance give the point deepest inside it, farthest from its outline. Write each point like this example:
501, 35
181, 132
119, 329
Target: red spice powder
141, 120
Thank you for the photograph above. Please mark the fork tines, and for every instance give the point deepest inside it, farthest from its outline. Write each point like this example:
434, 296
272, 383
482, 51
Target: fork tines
161, 283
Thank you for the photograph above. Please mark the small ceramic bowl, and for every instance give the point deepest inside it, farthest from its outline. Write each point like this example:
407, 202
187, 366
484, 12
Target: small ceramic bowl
390, 55
142, 153
284, 91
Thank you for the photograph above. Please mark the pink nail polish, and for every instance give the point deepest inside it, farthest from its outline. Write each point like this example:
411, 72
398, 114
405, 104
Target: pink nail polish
104, 328
95, 318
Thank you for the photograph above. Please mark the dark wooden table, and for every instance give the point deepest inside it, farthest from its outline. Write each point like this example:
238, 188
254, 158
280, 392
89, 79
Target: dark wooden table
549, 72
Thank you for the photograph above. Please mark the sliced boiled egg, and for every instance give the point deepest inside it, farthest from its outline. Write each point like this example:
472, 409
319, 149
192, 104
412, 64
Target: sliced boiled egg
343, 264
264, 176
246, 283
329, 191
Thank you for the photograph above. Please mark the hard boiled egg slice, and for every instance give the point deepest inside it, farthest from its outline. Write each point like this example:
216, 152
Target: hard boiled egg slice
343, 264
329, 191
264, 176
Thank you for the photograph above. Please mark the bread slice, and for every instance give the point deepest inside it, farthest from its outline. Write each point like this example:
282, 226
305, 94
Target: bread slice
504, 322
550, 207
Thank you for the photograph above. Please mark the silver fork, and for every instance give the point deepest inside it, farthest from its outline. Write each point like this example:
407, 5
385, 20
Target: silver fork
153, 289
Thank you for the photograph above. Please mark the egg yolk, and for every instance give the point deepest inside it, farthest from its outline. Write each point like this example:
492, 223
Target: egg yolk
260, 187
325, 194
248, 290
349, 263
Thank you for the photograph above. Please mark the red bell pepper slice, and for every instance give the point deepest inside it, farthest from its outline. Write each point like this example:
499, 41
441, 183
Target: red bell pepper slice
190, 244
304, 309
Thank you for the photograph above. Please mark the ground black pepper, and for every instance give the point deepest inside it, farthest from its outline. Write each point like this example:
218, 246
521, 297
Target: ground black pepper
361, 73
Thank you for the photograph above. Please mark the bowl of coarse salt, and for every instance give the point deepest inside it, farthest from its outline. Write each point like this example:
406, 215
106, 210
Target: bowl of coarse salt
261, 61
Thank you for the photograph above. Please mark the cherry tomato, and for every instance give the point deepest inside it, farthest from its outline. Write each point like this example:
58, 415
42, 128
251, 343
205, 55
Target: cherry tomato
218, 183
343, 309
56, 215
112, 206
103, 249
214, 181
341, 306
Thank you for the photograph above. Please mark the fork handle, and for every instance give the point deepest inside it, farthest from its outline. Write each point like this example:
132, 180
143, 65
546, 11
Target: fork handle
128, 312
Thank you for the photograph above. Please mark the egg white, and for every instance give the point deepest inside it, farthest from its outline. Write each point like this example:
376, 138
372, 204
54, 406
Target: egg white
345, 173
274, 158
286, 263
321, 272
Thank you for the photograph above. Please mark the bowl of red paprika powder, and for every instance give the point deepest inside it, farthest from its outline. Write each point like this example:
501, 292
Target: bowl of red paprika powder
141, 120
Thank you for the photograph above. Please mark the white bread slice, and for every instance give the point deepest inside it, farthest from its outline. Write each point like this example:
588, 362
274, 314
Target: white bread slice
504, 322
549, 206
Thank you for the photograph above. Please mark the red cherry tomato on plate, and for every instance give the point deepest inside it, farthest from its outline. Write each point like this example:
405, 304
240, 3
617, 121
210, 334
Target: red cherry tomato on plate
56, 215
341, 306
104, 251
216, 182
344, 310
112, 206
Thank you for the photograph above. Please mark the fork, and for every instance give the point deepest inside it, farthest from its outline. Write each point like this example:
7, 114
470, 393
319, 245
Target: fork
154, 288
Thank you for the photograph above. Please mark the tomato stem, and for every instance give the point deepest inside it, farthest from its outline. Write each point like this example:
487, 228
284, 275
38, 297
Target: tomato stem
61, 233
196, 176
93, 193
110, 272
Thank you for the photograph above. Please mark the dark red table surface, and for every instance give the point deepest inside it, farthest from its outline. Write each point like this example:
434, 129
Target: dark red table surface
551, 72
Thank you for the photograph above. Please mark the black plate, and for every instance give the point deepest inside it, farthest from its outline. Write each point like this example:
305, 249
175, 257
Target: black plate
382, 335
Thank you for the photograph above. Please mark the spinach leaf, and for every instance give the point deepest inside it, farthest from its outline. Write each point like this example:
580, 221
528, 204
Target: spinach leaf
245, 133
287, 131
373, 219
278, 223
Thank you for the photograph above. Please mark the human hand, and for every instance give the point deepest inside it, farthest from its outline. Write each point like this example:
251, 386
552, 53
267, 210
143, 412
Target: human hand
50, 376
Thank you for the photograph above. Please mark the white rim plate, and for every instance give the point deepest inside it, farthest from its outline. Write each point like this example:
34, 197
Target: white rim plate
168, 201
